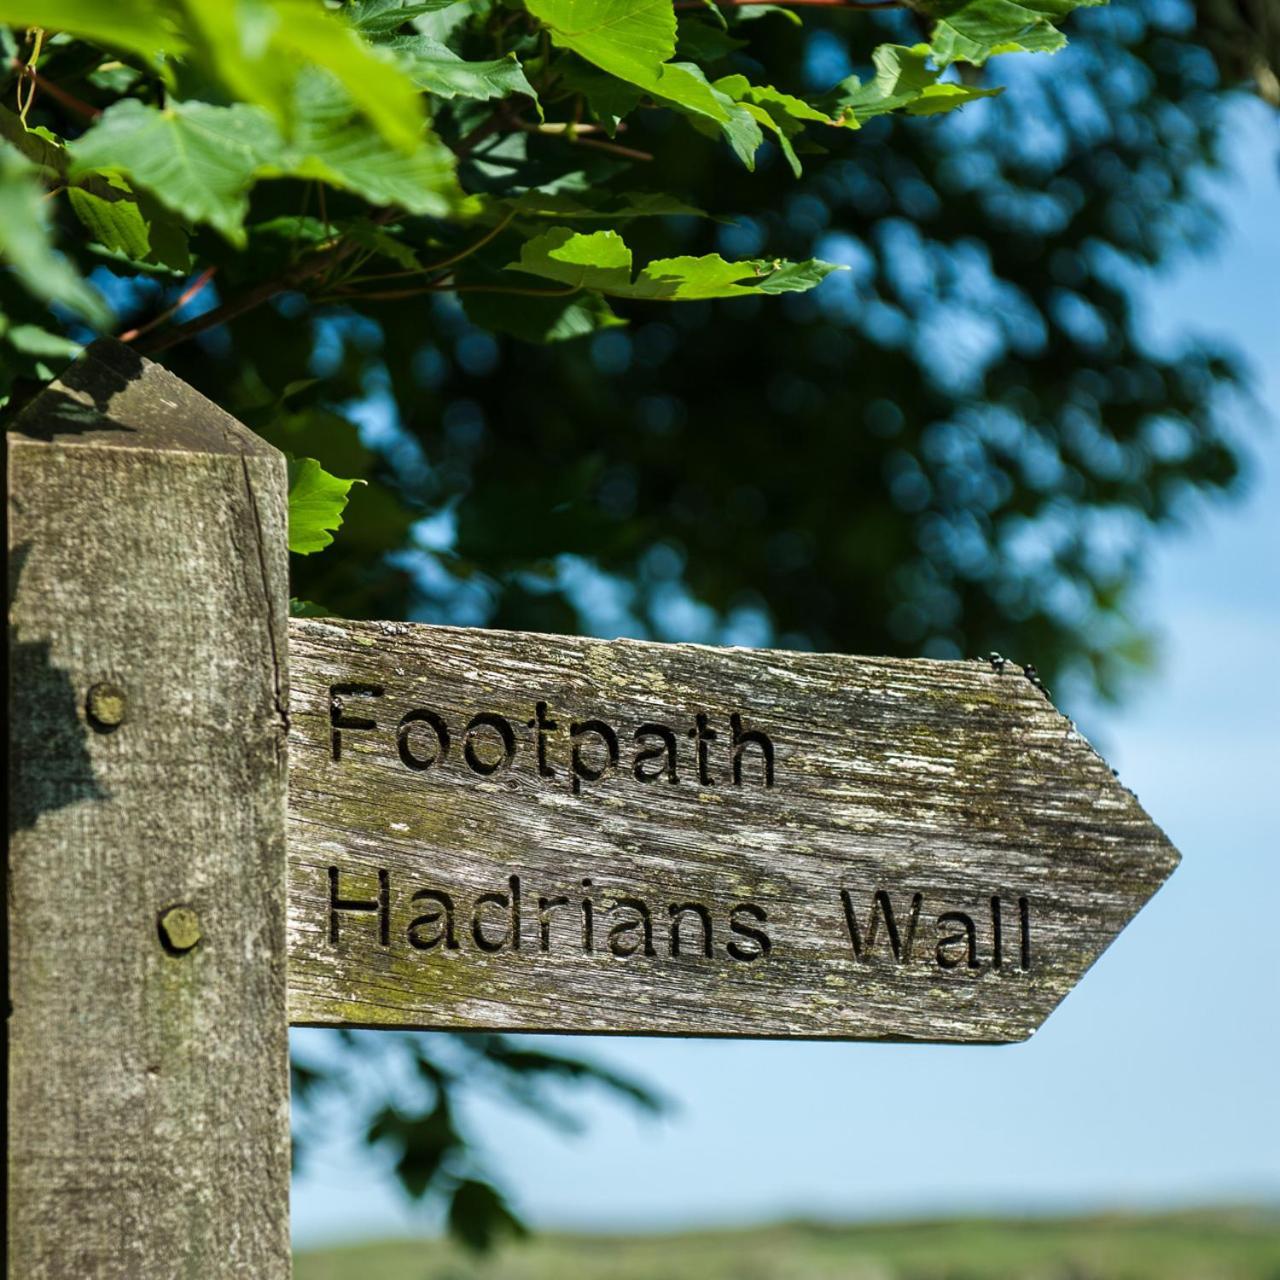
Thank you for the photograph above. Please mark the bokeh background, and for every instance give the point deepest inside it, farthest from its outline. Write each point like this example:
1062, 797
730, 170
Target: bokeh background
1035, 416
1154, 1085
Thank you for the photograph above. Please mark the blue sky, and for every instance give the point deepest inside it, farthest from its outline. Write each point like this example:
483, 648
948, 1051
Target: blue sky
1153, 1084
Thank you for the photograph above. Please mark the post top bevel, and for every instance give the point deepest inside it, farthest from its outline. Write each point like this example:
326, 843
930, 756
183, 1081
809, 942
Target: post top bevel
111, 397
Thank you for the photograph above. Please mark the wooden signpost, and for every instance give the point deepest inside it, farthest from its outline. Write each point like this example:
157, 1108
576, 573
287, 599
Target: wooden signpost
485, 830
542, 833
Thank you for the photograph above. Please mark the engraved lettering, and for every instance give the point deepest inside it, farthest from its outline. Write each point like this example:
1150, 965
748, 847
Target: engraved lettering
446, 935
590, 752
744, 738
382, 905
508, 902
502, 727
582, 770
588, 925
339, 720
968, 935
667, 749
621, 941
545, 908
543, 727
881, 908
759, 939
404, 739
701, 914
704, 737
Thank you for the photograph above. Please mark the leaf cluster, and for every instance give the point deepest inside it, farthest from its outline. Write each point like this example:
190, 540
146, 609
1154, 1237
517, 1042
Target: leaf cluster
381, 149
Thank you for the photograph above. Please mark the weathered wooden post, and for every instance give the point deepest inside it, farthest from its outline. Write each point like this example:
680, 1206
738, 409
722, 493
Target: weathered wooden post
485, 830
148, 1125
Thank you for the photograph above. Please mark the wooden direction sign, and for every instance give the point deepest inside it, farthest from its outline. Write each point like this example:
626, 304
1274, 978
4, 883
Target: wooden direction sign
478, 830
542, 833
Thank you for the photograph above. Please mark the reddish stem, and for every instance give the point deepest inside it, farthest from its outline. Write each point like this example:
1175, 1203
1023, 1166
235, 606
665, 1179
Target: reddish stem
187, 294
56, 92
297, 275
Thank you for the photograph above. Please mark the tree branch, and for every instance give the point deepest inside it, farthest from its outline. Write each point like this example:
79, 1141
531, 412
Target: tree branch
187, 294
631, 153
317, 264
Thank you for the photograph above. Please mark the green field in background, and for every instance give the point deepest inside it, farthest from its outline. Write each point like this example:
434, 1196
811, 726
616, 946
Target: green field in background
1221, 1245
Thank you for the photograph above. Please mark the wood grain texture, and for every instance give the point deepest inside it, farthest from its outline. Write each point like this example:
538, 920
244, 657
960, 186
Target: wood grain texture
148, 1077
953, 781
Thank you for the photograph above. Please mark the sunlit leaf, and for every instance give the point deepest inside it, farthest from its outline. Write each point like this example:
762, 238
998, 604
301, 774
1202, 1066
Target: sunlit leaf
195, 158
437, 69
333, 143
260, 47
143, 27
601, 261
316, 503
973, 30
385, 17
904, 80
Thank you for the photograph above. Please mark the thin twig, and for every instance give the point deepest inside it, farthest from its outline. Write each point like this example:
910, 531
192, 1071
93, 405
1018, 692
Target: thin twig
56, 92
570, 128
432, 267
187, 294
24, 107
631, 153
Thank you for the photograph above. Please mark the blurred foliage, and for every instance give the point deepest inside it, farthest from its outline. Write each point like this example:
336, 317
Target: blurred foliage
1244, 37
963, 442
409, 1091
1222, 1245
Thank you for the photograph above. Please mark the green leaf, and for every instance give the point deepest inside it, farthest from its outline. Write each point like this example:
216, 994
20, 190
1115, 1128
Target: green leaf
973, 30
196, 159
316, 503
385, 17
437, 69
630, 39
43, 148
478, 1215
634, 40
307, 609
332, 143
601, 261
540, 319
780, 113
903, 80
26, 246
127, 225
130, 226
260, 47
705, 43
112, 217
134, 26
608, 98
32, 340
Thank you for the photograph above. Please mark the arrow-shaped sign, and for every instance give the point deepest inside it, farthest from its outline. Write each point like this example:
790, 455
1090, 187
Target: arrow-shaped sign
541, 833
